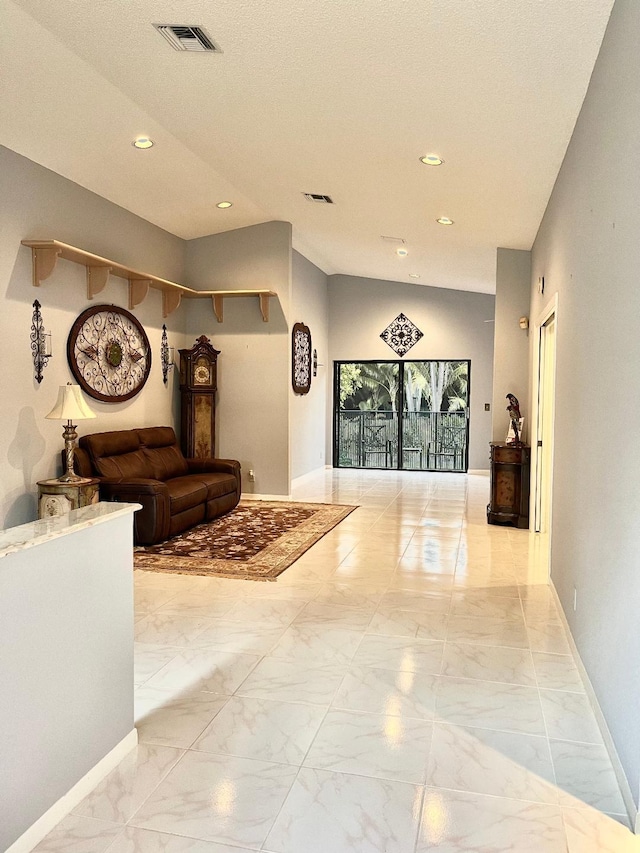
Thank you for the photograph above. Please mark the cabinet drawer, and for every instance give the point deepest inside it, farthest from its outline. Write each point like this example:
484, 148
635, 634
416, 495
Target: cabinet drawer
507, 454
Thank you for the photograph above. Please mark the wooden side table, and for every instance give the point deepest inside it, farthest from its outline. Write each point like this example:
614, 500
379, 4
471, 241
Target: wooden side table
56, 498
509, 498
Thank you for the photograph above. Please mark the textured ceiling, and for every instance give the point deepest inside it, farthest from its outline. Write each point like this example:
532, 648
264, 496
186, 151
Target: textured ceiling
327, 97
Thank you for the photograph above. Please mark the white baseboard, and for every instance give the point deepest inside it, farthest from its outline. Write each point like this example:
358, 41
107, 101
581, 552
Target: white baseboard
623, 782
298, 481
60, 809
249, 496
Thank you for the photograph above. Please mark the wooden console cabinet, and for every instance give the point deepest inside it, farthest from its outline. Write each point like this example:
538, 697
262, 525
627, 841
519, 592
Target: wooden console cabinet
509, 498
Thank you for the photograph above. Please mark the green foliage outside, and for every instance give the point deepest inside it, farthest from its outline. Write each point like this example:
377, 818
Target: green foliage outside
435, 386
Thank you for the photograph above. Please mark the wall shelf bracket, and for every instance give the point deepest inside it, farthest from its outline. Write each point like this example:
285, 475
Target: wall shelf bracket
138, 290
171, 300
218, 307
264, 305
44, 262
97, 278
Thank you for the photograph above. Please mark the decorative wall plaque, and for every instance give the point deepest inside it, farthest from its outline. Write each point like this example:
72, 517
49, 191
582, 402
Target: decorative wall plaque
401, 335
109, 353
40, 343
165, 355
301, 358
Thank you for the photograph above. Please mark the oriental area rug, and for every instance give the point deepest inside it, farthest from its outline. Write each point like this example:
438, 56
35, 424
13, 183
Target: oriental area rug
257, 540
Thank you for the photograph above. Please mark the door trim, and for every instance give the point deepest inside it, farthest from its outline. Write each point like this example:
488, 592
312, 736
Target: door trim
550, 310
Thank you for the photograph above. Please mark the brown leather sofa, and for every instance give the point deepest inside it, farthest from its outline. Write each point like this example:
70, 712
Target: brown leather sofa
146, 466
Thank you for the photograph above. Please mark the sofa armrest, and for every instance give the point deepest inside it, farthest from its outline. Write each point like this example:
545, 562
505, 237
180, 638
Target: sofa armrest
122, 488
151, 524
214, 466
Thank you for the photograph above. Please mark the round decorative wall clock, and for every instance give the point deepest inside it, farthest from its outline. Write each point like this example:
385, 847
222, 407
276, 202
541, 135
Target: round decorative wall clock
109, 353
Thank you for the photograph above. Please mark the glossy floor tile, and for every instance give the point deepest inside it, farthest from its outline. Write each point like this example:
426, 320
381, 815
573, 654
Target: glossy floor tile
406, 686
218, 798
121, 794
455, 822
383, 746
76, 834
163, 717
262, 728
133, 840
341, 812
484, 761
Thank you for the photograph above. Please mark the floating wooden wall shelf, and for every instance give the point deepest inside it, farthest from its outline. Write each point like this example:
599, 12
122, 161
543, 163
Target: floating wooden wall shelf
45, 255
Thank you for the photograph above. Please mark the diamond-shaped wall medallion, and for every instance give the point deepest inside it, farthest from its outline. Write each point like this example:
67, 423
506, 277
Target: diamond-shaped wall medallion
401, 335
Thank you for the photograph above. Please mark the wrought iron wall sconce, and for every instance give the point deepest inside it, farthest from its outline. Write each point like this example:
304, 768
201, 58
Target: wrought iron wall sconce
40, 343
167, 355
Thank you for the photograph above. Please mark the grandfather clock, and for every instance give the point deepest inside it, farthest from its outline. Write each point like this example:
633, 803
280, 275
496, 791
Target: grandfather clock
198, 382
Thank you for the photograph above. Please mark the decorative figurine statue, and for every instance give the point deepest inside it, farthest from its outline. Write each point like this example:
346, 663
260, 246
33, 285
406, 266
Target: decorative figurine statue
514, 413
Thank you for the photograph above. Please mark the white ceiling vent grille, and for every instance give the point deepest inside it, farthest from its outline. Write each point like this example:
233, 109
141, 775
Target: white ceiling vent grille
398, 241
188, 38
318, 198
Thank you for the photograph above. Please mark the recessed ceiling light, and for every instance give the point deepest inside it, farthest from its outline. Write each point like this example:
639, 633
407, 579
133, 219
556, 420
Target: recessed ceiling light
431, 160
414, 275
402, 253
444, 220
223, 205
142, 142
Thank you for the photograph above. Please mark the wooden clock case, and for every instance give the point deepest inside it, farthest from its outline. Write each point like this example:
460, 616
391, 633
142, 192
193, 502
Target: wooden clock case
198, 384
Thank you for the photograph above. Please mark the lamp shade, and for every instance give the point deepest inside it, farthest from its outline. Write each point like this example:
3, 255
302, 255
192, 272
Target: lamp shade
70, 405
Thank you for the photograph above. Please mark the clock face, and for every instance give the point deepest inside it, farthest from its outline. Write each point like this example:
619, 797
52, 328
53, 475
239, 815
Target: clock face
202, 374
109, 353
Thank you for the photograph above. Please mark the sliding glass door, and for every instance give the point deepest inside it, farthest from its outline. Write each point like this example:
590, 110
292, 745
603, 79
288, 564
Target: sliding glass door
401, 415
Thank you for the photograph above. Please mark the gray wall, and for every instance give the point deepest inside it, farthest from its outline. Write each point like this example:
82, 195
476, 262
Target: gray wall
454, 327
589, 253
308, 412
511, 343
38, 204
66, 627
252, 413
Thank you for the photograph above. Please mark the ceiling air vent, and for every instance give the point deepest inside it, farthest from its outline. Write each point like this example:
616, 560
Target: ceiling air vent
318, 199
398, 241
187, 38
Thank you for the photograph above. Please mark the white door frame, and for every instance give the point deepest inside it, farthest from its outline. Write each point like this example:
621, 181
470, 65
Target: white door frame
550, 310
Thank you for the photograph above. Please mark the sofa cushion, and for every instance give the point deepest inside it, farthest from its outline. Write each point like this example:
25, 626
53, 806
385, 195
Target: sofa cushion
184, 493
160, 448
216, 484
166, 462
156, 436
117, 454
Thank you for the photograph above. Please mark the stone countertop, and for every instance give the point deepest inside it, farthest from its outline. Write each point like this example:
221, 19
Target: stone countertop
44, 530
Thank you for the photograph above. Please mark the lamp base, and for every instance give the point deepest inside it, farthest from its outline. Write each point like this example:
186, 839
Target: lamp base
72, 477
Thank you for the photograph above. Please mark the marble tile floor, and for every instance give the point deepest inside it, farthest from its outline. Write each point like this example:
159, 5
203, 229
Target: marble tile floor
405, 687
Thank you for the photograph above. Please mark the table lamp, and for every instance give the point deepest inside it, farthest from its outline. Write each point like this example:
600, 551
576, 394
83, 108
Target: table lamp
70, 406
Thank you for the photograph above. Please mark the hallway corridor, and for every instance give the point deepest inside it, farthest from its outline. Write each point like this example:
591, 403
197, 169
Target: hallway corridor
405, 687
